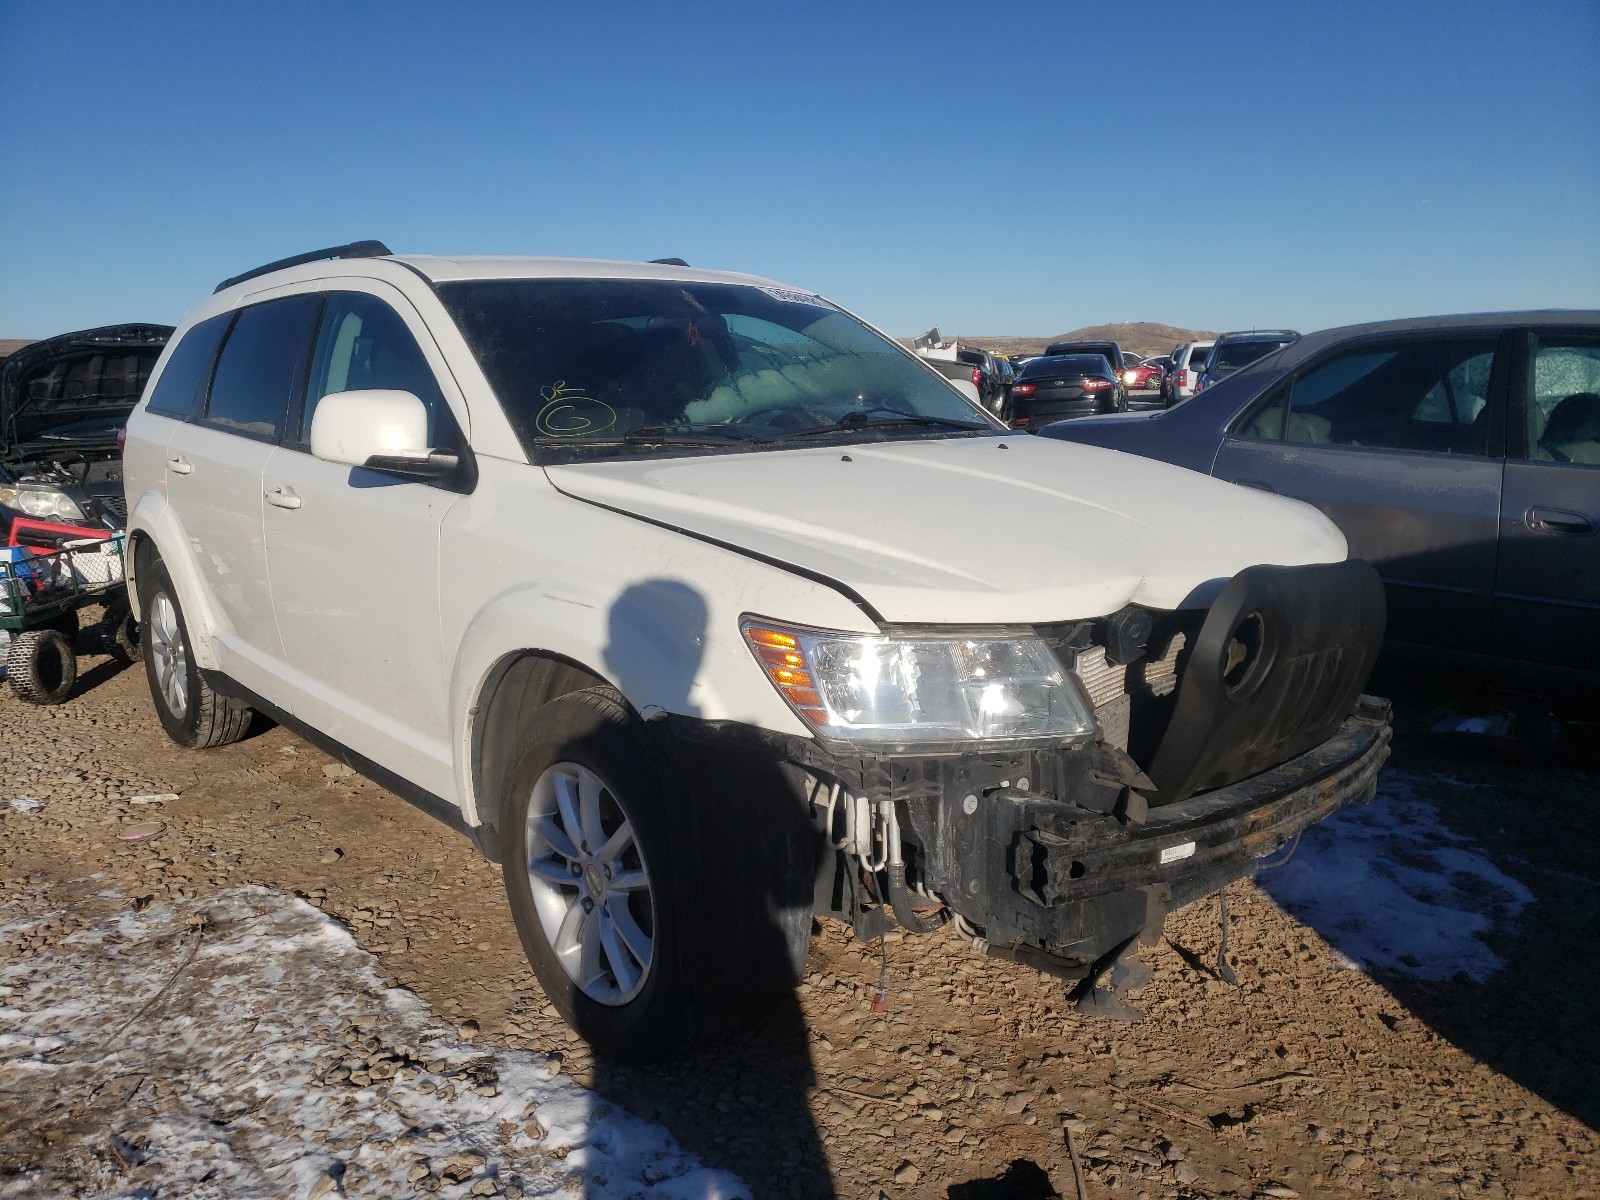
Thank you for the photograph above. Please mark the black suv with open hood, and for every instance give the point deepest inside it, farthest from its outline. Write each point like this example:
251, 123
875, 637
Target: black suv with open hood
63, 402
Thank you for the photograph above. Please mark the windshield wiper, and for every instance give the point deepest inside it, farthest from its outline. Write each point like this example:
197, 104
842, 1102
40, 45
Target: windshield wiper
893, 418
687, 434
702, 433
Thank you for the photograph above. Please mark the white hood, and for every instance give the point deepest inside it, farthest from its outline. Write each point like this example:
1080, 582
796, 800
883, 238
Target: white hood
1010, 530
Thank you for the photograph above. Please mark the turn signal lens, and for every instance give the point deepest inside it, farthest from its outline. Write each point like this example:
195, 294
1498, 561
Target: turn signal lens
779, 654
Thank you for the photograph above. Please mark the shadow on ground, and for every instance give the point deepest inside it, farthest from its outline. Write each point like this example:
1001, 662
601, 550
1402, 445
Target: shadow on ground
1022, 1180
1531, 805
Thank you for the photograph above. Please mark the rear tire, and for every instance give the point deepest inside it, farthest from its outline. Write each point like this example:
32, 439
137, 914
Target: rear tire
191, 712
41, 666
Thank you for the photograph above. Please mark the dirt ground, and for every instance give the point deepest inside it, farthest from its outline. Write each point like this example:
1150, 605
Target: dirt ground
1307, 1078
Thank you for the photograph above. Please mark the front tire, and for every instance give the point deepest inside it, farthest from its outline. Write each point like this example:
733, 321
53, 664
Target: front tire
191, 712
712, 859
592, 869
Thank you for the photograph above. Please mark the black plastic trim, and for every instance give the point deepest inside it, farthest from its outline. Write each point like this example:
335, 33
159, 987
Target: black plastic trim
485, 837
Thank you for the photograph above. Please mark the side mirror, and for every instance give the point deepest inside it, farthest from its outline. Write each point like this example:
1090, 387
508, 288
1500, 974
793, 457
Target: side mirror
379, 429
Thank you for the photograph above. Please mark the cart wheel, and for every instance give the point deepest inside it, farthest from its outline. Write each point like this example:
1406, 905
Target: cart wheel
41, 666
119, 633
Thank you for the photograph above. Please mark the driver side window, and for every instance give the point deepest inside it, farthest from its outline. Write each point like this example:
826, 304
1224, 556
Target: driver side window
361, 344
1429, 396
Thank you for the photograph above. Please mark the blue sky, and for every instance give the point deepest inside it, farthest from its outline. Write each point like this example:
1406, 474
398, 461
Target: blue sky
1024, 168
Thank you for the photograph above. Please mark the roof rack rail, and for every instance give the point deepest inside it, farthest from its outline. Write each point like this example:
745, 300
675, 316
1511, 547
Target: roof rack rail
367, 249
670, 262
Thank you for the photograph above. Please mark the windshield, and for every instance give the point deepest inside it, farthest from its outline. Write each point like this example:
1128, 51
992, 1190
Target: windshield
584, 363
1233, 355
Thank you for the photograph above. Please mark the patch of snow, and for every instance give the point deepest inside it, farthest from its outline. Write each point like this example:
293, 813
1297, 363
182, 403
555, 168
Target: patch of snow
1493, 725
249, 1048
1390, 885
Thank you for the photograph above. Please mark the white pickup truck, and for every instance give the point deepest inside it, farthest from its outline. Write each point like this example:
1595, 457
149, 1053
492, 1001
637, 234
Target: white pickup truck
679, 592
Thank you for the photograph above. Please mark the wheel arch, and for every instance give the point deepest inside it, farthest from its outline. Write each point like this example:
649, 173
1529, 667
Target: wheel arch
516, 686
153, 525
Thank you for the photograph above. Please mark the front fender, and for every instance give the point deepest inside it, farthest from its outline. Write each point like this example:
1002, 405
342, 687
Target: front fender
654, 643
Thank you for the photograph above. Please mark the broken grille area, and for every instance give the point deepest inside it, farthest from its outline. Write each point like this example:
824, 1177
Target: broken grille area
1112, 687
1133, 700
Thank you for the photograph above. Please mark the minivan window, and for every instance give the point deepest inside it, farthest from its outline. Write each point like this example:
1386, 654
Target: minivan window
362, 343
188, 369
578, 363
260, 362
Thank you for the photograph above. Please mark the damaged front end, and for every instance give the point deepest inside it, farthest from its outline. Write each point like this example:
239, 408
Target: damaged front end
1223, 734
63, 402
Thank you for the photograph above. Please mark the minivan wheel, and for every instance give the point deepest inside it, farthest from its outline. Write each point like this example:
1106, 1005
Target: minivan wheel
191, 712
591, 868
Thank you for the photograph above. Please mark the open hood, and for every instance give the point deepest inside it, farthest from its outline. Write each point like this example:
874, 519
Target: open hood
991, 530
90, 375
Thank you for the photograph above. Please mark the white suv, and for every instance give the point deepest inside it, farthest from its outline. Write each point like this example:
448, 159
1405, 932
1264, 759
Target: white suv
1183, 379
680, 592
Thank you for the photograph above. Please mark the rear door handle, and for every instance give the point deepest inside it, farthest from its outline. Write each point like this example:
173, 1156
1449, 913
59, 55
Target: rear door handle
1261, 485
1558, 520
180, 465
280, 497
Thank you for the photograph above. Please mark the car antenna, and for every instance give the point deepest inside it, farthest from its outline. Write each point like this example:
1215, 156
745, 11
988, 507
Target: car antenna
669, 262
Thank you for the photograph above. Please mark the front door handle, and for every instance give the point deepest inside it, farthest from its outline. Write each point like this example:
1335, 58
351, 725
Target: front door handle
1261, 485
282, 497
1558, 520
179, 465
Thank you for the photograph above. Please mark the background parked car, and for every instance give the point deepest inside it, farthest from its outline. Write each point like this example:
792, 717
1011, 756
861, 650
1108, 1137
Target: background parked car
63, 402
1461, 455
1112, 351
1184, 376
994, 378
1234, 350
1145, 376
1057, 387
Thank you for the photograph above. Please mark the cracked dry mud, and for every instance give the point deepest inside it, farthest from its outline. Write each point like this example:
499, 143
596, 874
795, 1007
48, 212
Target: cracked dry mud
1306, 1079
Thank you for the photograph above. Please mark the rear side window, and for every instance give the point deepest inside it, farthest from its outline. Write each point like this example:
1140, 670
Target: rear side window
363, 344
1564, 400
259, 365
184, 378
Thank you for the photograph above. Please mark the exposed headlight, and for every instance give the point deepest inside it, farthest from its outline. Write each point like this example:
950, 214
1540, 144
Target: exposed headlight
46, 503
955, 688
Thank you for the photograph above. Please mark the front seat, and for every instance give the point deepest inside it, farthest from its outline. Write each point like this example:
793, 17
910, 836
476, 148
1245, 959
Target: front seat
1572, 434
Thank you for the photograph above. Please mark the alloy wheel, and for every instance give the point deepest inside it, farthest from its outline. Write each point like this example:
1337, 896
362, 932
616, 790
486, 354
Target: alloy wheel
590, 885
170, 654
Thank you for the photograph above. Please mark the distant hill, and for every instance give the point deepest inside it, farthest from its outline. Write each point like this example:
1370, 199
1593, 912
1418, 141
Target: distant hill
1140, 337
10, 346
